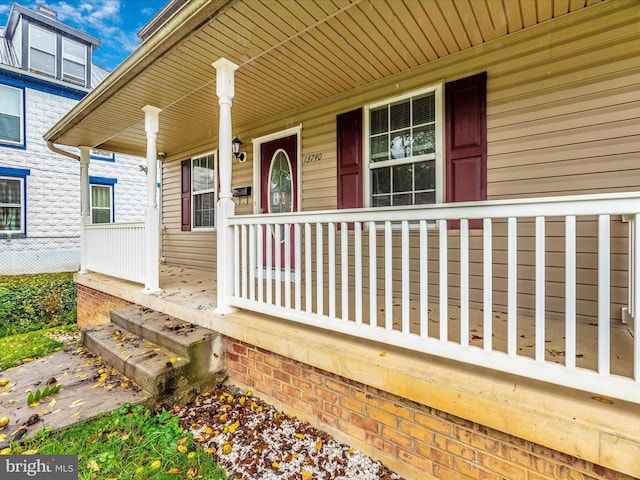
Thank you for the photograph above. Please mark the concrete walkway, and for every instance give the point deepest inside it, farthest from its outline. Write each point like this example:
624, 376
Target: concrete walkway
89, 389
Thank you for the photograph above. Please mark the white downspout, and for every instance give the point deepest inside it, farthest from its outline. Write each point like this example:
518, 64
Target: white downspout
152, 236
226, 208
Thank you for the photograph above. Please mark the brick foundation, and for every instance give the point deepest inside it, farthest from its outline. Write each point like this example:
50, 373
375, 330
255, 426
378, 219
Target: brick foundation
416, 441
412, 439
94, 306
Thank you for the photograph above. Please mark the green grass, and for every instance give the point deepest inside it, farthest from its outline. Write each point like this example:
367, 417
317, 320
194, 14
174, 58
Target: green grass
29, 346
130, 443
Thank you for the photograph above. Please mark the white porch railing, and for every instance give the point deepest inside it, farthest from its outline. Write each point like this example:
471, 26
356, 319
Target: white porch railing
415, 279
116, 249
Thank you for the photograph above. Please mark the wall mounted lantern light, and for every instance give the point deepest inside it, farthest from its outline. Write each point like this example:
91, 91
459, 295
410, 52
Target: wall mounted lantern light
236, 145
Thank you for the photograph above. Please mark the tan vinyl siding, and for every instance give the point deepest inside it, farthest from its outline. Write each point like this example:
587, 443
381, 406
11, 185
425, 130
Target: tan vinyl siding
563, 109
196, 249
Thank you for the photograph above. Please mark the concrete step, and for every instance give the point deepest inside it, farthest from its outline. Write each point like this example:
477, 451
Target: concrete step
170, 359
203, 347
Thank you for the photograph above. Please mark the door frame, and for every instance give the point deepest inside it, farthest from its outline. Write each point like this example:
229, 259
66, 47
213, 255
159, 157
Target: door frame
257, 163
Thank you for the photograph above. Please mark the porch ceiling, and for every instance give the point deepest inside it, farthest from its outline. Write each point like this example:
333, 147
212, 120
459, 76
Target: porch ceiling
291, 54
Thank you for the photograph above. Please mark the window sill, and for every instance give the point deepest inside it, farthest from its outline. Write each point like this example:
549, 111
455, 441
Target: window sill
11, 236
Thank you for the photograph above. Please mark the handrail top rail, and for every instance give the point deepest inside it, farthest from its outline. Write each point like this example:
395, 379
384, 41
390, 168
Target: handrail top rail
596, 204
103, 226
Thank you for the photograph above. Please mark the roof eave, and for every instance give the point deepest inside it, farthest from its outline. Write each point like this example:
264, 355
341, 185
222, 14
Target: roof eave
188, 19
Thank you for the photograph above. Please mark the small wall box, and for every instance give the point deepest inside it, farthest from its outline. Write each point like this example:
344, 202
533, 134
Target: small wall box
242, 192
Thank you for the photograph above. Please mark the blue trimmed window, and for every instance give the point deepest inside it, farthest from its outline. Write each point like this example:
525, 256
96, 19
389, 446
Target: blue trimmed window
102, 199
13, 199
11, 116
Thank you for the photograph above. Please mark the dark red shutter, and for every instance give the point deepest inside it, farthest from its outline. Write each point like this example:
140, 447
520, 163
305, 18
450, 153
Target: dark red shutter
349, 143
466, 141
185, 200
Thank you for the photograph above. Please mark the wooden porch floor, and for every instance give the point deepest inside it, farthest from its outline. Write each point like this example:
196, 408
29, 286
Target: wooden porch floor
188, 293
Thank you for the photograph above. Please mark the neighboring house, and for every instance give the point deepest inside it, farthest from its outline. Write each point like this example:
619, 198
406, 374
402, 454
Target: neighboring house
45, 69
427, 244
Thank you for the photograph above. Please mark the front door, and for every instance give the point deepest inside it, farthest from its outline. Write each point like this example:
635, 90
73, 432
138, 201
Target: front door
278, 188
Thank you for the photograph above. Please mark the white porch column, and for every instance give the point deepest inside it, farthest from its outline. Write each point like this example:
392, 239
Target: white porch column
226, 208
152, 225
85, 153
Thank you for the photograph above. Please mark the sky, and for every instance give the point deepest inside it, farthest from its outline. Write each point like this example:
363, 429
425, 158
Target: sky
115, 22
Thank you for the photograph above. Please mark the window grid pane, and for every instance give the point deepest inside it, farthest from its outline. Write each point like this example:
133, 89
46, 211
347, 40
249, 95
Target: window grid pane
42, 51
204, 209
100, 204
10, 114
403, 131
73, 60
203, 182
11, 205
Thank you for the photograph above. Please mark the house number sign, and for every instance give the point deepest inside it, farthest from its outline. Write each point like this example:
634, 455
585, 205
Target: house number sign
312, 157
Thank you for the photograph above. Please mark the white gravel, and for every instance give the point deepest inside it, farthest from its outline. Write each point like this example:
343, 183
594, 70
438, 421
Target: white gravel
255, 441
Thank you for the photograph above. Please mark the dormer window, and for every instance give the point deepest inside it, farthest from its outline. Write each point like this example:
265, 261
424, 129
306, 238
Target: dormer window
42, 50
74, 61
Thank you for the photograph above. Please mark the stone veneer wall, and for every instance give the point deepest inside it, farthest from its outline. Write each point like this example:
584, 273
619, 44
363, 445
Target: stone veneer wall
94, 306
414, 440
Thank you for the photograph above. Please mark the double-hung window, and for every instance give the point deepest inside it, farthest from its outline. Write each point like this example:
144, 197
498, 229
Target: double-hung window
404, 149
11, 115
12, 201
102, 199
42, 50
74, 61
203, 191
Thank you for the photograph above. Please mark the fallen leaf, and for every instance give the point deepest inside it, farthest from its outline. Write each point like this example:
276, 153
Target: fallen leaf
383, 354
93, 465
306, 475
604, 400
275, 465
234, 426
75, 414
192, 472
319, 445
182, 449
299, 435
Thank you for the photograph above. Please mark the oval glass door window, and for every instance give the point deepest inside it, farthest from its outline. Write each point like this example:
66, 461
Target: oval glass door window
280, 187
280, 184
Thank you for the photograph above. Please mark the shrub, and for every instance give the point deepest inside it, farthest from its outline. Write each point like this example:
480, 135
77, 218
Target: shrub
34, 302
